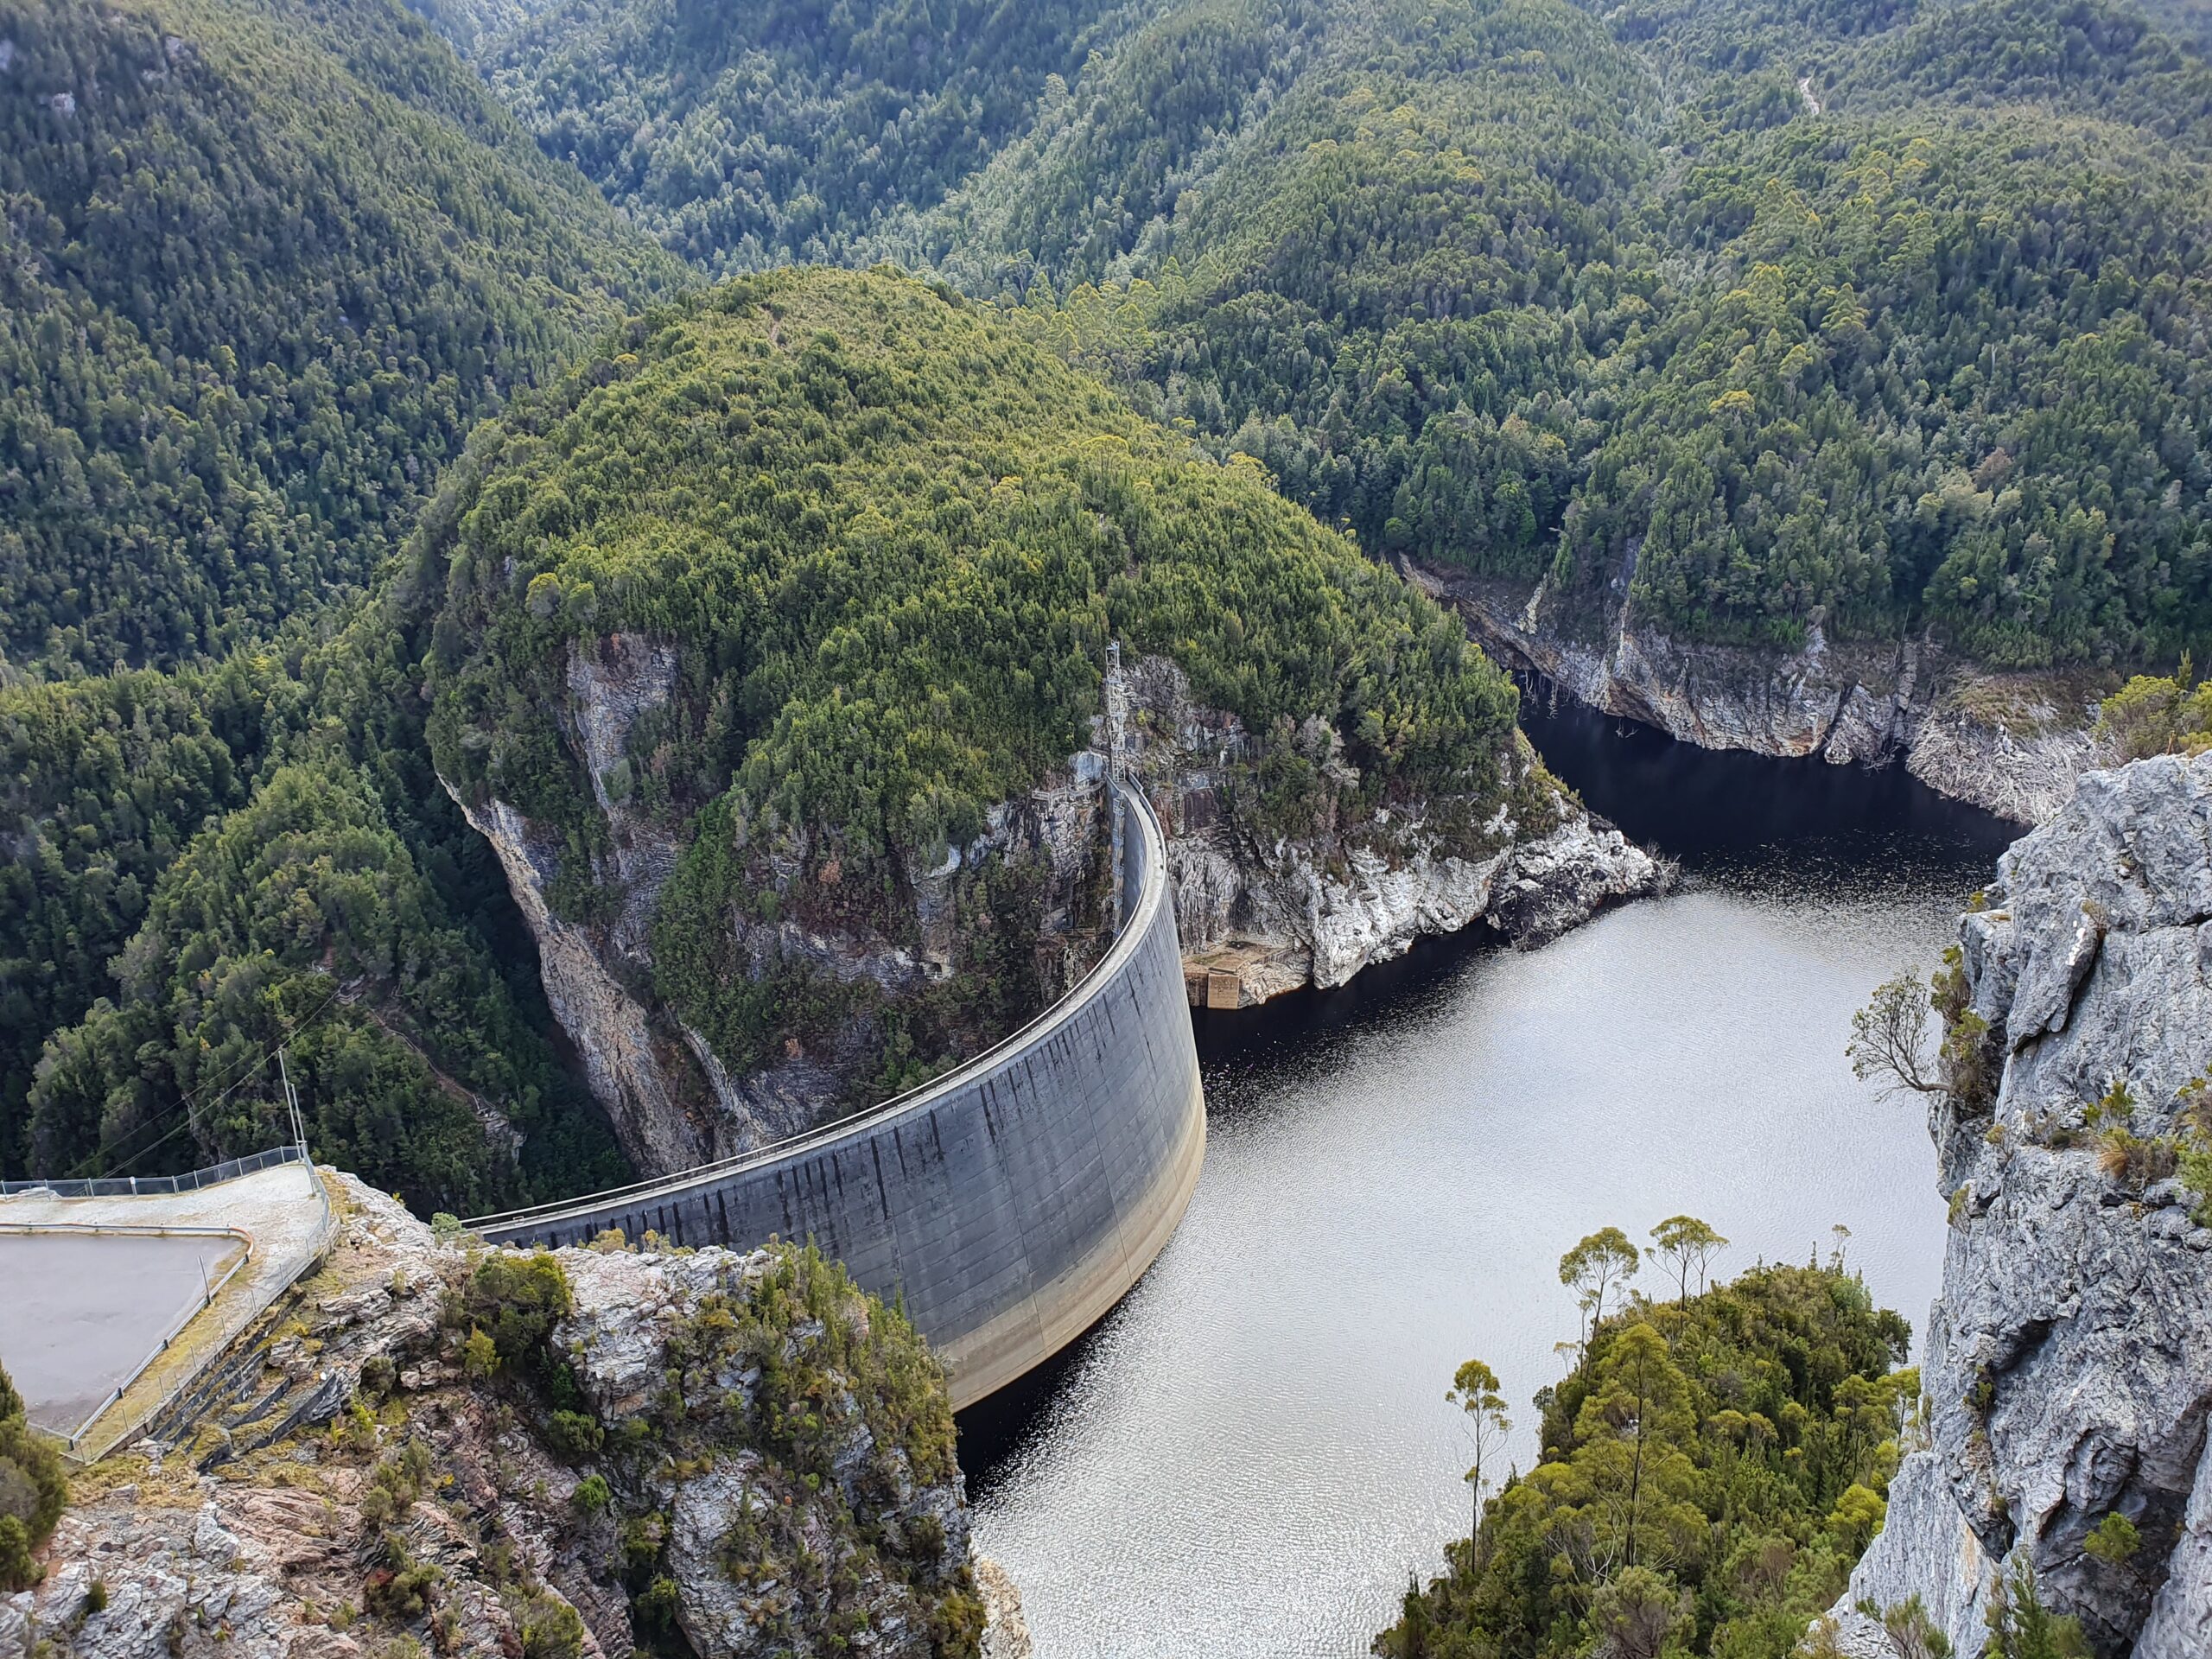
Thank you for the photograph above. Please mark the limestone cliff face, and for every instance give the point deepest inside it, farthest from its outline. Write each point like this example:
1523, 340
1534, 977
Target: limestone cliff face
2068, 1370
1264, 910
282, 1516
2013, 744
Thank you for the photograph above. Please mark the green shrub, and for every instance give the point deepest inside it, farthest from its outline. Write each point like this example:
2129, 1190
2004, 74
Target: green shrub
550, 1627
18, 1571
403, 1593
517, 1300
592, 1495
2113, 1540
33, 1490
573, 1434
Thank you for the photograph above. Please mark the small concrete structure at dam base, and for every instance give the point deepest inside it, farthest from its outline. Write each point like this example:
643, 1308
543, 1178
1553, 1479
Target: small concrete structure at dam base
1010, 1204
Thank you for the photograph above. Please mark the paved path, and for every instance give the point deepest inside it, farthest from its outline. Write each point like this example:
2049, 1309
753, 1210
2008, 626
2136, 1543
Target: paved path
140, 1287
84, 1311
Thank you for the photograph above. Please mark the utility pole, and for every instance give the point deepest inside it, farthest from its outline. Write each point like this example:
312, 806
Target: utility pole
1117, 717
298, 1121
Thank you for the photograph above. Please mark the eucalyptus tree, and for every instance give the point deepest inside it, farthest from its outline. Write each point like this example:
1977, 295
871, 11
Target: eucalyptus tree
1684, 1244
1475, 1390
1594, 1267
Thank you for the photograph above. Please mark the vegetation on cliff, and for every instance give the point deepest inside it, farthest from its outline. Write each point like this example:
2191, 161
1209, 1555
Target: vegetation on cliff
889, 541
442, 1448
826, 1407
262, 266
33, 1489
301, 919
189, 919
2158, 714
1706, 1475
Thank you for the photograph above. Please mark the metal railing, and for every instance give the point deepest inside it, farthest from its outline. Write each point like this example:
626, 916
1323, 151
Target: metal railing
133, 1187
237, 1319
1148, 849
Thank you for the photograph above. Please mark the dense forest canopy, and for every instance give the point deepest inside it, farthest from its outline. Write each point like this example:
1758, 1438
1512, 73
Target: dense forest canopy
1707, 1475
891, 539
1762, 318
218, 858
262, 265
1770, 319
748, 136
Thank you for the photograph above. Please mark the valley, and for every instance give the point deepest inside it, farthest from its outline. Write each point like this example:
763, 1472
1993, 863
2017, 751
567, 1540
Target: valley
707, 631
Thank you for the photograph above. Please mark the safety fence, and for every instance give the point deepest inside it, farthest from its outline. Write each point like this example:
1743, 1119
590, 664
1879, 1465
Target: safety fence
131, 1186
73, 1438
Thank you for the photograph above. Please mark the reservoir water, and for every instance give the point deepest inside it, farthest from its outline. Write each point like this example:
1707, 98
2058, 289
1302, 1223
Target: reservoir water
1250, 1456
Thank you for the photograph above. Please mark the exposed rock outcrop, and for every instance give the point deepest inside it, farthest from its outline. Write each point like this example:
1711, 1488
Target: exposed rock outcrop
1264, 910
727, 1442
1007, 1635
2068, 1369
650, 1097
674, 1100
2013, 744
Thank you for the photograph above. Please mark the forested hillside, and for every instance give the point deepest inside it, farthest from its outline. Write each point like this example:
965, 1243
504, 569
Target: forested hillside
1919, 343
262, 265
213, 860
866, 547
1707, 1474
753, 135
1757, 318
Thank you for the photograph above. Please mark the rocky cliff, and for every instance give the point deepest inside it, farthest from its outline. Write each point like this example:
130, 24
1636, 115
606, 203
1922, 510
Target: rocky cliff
766, 646
434, 1448
2068, 1370
2013, 744
1269, 897
1031, 880
1267, 900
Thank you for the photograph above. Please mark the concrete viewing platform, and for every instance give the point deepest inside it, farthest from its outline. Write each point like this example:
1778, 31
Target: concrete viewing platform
116, 1299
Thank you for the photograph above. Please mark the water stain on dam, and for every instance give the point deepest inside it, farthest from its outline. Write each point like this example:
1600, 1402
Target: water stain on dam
1250, 1455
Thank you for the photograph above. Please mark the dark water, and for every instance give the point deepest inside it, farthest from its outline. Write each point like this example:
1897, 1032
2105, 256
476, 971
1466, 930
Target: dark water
1728, 814
1253, 1451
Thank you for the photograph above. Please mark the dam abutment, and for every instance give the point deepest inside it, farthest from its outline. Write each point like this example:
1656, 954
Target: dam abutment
1010, 1204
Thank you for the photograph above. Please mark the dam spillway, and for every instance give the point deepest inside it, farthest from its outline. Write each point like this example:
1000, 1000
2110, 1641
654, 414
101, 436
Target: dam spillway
1010, 1203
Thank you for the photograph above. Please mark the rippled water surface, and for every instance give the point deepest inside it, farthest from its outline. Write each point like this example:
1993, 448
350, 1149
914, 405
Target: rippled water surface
1253, 1451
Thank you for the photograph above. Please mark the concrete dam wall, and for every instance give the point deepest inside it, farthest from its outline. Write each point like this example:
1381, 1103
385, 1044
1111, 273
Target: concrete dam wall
1013, 1201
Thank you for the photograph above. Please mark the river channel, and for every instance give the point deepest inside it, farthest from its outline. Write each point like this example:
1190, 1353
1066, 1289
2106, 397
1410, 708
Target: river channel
1251, 1454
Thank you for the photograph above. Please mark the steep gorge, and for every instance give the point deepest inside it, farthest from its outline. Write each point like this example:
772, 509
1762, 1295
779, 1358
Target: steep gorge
2013, 744
769, 659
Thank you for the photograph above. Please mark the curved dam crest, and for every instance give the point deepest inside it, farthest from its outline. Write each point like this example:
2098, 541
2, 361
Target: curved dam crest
1011, 1203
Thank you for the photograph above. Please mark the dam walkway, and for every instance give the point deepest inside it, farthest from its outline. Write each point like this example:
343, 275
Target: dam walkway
1009, 1204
